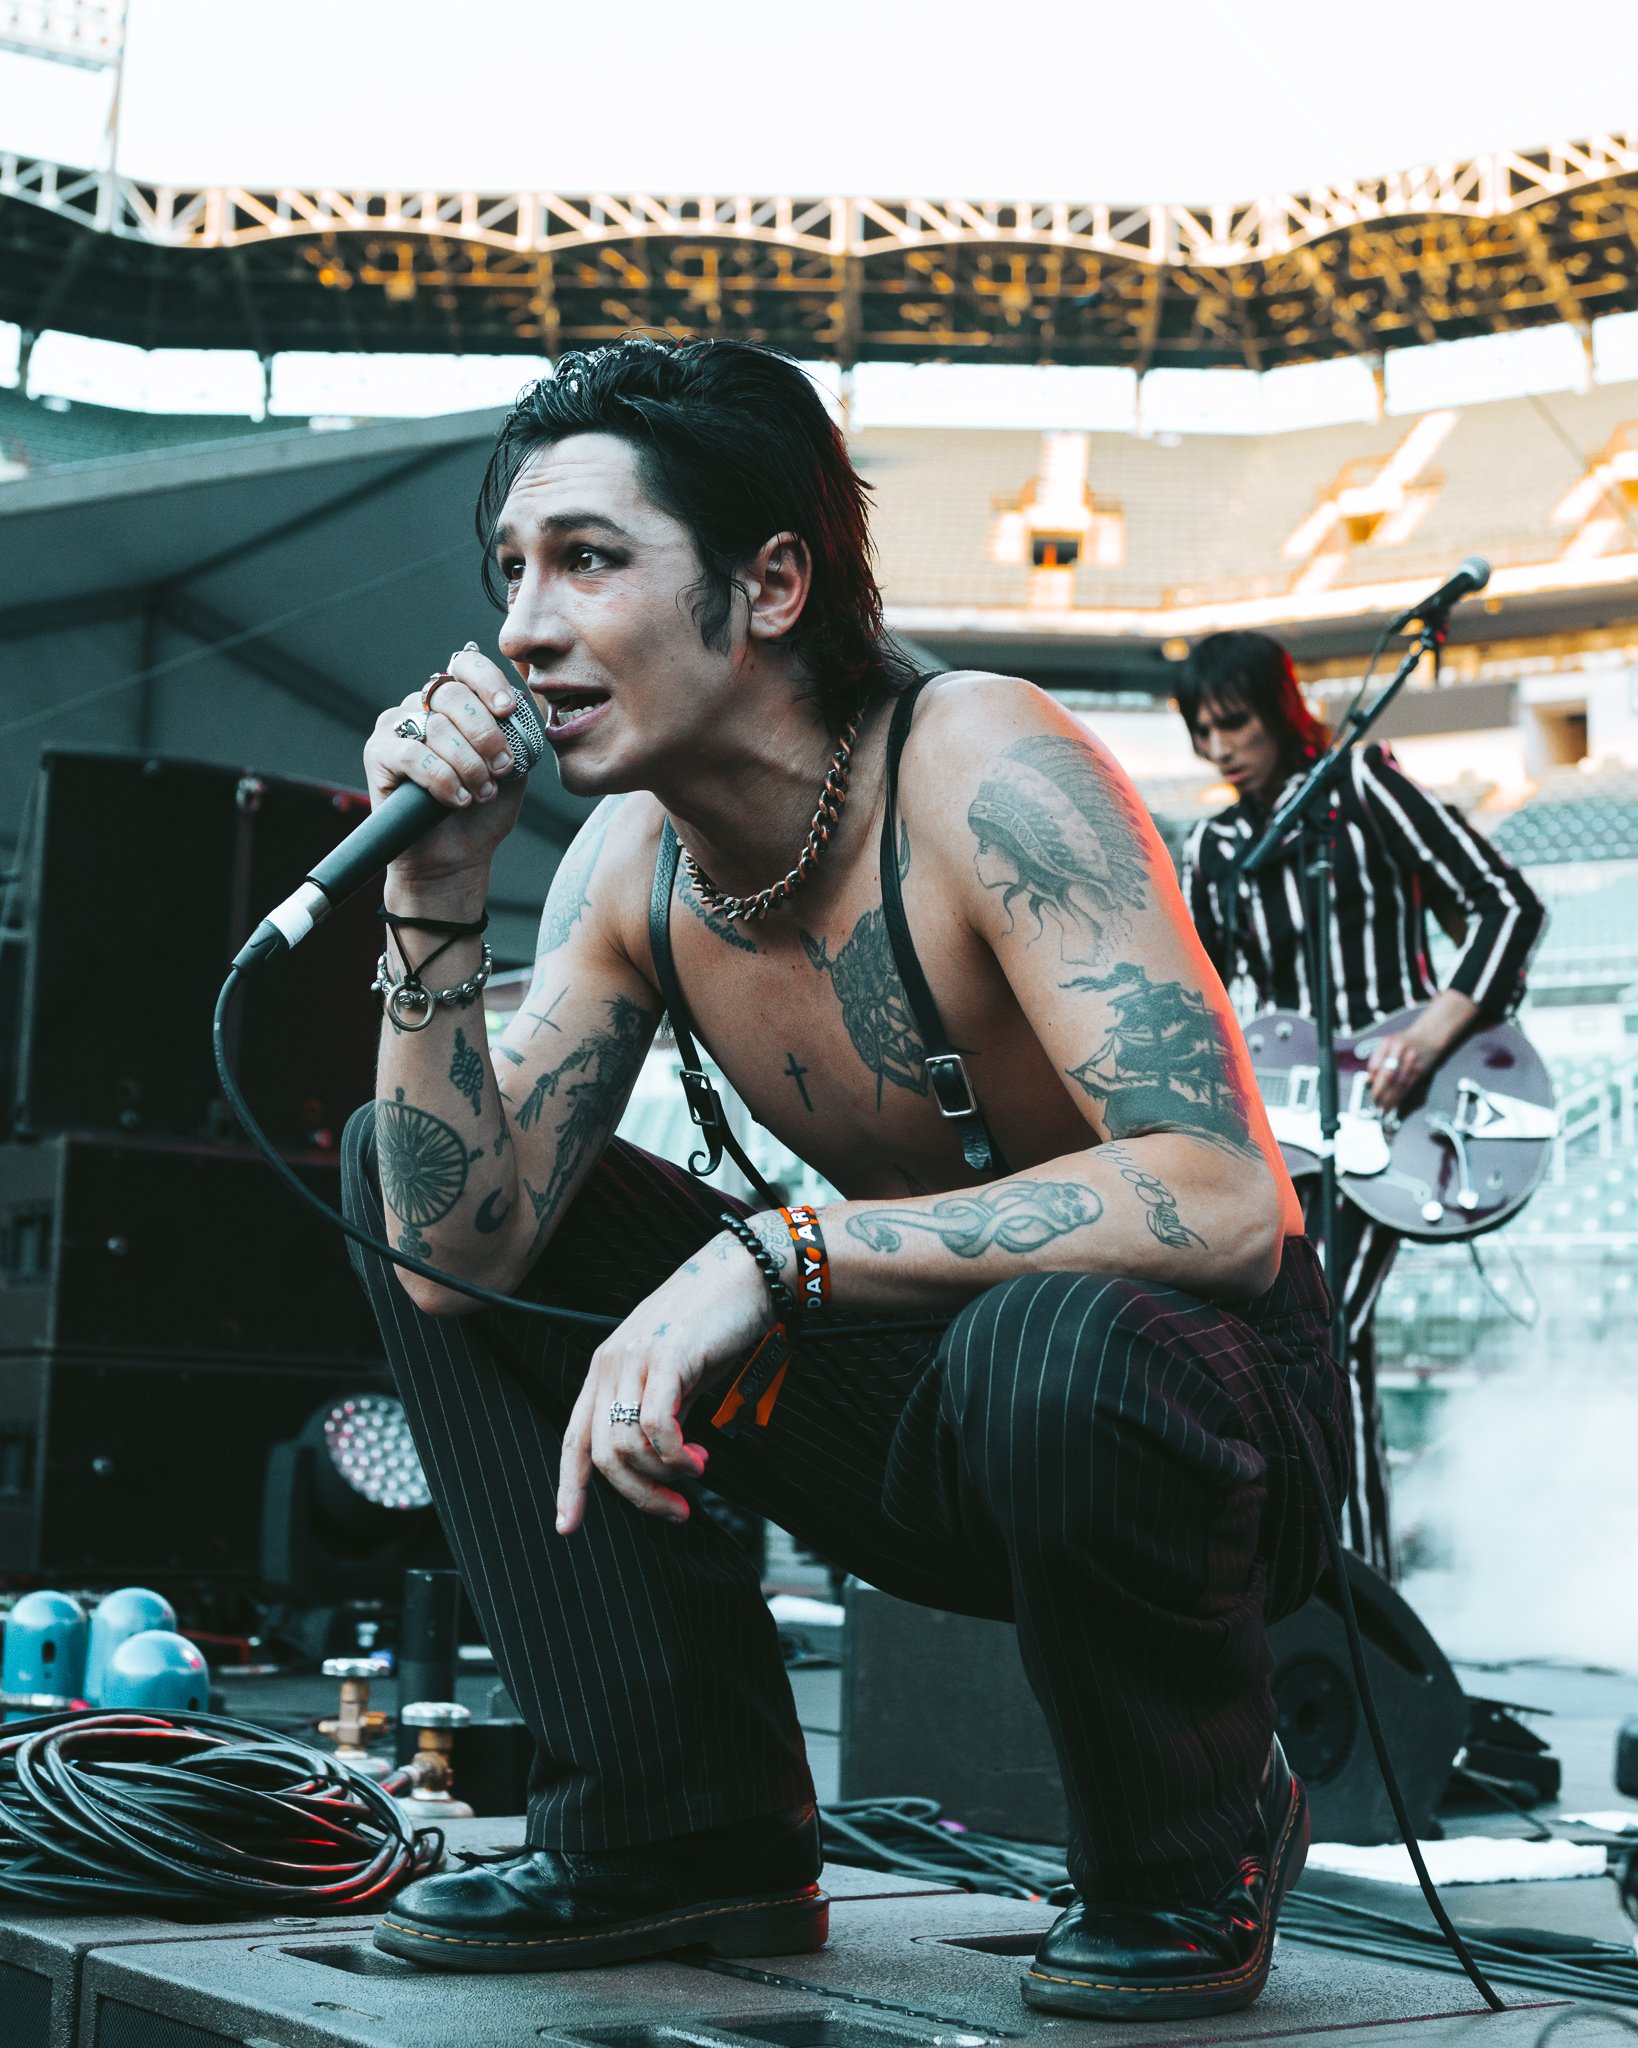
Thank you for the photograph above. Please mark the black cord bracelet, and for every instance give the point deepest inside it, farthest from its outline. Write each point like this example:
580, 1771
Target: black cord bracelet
452, 926
767, 1264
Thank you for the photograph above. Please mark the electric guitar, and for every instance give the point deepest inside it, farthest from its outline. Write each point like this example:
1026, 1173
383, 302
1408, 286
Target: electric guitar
1463, 1152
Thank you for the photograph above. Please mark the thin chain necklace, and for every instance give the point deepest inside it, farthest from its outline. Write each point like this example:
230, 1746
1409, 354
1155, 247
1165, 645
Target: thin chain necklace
829, 810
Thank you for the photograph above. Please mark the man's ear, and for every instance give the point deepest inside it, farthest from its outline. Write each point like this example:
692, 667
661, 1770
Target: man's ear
776, 583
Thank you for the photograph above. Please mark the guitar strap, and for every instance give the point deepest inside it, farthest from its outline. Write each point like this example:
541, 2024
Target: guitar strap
942, 1065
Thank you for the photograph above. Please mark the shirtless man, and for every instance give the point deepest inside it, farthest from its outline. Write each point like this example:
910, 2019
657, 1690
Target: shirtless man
1097, 1438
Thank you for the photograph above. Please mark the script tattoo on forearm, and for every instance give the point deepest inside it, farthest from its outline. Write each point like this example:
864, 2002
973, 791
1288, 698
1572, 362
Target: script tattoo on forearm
724, 927
1166, 1062
1060, 831
606, 1064
1160, 1204
466, 1071
872, 997
1018, 1216
566, 903
423, 1165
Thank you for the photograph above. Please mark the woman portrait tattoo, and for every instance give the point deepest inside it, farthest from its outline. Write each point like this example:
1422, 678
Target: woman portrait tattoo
1062, 834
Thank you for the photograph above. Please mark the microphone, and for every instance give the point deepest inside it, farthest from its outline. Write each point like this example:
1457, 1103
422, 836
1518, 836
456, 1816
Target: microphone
1473, 575
401, 818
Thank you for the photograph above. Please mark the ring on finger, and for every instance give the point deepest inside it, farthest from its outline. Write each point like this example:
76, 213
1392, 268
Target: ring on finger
410, 728
624, 1413
432, 685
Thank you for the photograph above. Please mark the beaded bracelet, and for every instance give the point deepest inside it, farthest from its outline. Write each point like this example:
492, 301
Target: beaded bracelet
767, 1264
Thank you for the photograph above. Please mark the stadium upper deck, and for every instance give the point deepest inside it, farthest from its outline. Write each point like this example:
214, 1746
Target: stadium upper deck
1062, 541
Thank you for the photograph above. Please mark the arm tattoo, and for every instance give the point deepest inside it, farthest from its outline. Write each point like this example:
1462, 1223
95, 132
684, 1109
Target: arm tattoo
724, 927
466, 1071
872, 997
606, 1064
1060, 831
422, 1163
1160, 1204
1017, 1216
1167, 1062
566, 903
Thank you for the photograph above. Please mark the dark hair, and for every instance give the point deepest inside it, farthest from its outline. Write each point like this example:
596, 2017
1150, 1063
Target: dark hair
1254, 672
735, 442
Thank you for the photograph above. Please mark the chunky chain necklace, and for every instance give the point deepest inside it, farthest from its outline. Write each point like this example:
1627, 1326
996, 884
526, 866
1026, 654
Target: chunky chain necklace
829, 810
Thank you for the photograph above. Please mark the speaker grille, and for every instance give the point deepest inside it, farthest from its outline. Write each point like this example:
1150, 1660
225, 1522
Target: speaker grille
25, 1997
120, 2025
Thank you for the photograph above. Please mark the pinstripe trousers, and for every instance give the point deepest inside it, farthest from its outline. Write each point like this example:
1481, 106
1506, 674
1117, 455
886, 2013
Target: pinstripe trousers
1112, 1466
1365, 1251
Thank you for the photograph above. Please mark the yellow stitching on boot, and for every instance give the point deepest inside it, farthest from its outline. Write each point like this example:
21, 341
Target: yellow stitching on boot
603, 1933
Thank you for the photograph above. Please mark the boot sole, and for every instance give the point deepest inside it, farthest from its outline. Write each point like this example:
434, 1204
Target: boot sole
791, 1926
1182, 1998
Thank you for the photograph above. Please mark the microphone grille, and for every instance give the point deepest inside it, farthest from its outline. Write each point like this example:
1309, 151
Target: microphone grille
525, 735
1479, 569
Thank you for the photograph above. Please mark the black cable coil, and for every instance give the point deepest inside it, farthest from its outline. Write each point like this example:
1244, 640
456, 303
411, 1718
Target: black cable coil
140, 1809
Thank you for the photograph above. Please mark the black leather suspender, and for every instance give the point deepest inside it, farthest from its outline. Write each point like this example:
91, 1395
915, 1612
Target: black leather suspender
947, 1080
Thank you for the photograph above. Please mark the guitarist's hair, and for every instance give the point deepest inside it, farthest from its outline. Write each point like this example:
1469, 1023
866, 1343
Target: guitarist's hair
1253, 671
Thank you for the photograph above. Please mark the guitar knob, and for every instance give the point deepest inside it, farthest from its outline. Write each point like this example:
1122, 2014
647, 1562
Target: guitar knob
1256, 1043
1282, 1030
1433, 1212
1466, 1199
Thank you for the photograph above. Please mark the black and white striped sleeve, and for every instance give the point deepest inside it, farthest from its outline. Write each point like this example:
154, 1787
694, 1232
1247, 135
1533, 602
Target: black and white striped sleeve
1460, 873
1201, 898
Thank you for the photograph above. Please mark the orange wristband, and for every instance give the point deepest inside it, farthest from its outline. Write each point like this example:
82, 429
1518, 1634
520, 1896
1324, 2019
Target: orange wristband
812, 1260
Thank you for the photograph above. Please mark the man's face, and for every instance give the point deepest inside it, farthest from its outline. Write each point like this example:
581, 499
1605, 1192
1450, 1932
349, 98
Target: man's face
599, 624
1240, 747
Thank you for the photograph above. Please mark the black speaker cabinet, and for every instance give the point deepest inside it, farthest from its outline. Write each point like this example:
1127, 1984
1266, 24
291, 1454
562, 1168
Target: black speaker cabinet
1421, 1705
937, 1705
115, 1468
156, 1245
142, 878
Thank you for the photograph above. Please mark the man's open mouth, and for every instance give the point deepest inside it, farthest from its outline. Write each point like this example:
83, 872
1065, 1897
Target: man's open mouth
564, 707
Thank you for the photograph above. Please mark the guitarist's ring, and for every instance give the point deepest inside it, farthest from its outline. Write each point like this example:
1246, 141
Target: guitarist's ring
1391, 1064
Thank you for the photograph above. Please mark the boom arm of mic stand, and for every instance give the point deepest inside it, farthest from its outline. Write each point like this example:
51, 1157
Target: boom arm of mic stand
1302, 810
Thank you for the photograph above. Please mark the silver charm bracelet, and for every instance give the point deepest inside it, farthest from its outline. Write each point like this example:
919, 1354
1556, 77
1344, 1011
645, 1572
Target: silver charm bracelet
411, 1004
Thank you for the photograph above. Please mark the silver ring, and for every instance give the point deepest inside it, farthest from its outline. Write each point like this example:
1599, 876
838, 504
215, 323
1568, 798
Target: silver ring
410, 728
1392, 1063
624, 1412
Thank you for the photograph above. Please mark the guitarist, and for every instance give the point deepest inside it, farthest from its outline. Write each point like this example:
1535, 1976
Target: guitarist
1399, 854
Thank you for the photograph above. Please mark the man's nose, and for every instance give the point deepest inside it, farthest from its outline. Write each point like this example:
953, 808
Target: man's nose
536, 629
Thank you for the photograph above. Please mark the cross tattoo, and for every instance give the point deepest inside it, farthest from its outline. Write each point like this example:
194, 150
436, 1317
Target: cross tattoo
796, 1071
539, 1017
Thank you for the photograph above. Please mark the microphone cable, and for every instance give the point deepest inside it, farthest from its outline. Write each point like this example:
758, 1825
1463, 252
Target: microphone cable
106, 1811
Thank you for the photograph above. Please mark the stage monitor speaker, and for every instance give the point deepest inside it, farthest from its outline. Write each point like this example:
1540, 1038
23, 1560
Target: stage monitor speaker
1419, 1701
135, 1469
141, 878
162, 1246
936, 1705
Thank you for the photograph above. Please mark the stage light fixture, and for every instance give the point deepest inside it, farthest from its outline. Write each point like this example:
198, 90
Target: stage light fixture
368, 1439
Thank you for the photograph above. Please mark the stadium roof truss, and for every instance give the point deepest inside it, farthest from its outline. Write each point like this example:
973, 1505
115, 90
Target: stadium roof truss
1508, 240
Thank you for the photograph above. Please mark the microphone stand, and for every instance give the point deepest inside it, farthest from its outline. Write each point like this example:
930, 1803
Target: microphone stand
1311, 809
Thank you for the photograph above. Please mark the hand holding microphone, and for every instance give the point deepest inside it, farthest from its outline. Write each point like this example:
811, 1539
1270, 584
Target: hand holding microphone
446, 767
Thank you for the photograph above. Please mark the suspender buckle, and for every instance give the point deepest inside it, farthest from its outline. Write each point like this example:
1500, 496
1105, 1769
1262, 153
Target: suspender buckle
704, 1104
952, 1091
705, 1107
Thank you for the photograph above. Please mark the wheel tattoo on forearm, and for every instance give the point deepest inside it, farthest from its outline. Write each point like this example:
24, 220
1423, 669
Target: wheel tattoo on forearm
423, 1166
1019, 1216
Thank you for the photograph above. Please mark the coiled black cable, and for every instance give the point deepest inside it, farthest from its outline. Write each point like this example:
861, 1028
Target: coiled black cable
124, 1809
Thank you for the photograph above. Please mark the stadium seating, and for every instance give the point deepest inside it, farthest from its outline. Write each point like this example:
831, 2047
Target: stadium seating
38, 434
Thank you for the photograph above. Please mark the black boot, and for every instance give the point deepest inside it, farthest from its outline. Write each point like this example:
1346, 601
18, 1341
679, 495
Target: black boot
1166, 1963
748, 1889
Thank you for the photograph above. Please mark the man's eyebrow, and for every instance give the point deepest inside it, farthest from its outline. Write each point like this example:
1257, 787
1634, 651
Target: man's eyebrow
560, 523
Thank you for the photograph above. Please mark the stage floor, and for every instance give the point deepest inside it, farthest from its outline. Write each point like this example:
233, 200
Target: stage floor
909, 1965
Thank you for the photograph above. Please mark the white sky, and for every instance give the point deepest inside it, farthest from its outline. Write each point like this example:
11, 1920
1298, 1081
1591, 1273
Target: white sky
1180, 100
